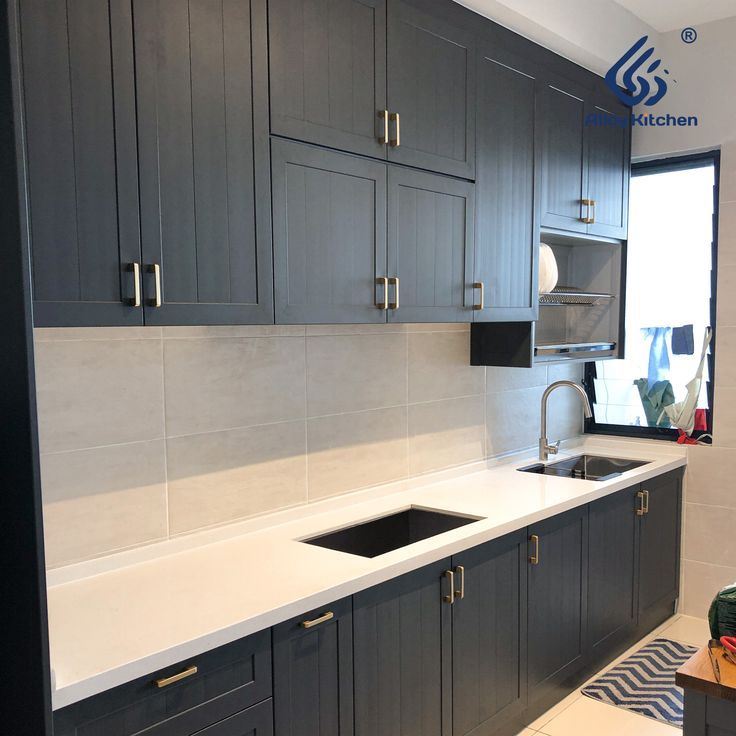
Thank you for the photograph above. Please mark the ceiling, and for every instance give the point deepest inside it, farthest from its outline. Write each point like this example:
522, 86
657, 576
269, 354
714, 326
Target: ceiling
670, 15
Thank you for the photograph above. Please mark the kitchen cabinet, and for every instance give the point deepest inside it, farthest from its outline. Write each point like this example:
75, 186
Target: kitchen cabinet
660, 507
489, 635
431, 90
505, 264
557, 603
313, 673
402, 638
79, 143
356, 240
328, 72
329, 220
612, 572
430, 242
203, 159
585, 167
210, 694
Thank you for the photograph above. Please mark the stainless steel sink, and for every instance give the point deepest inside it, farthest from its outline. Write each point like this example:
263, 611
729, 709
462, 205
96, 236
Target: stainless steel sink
386, 533
586, 467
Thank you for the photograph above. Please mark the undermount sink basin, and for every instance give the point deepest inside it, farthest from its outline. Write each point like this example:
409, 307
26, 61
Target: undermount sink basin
390, 532
586, 467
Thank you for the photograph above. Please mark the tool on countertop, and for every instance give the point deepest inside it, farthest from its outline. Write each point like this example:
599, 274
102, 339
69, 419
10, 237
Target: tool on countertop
729, 648
713, 647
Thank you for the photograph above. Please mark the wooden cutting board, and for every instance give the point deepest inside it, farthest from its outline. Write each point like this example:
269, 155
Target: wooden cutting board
697, 674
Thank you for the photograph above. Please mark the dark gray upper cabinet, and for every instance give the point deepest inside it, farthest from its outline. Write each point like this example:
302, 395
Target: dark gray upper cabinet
659, 558
328, 72
612, 575
431, 88
402, 656
609, 165
329, 221
203, 159
80, 148
558, 600
564, 174
506, 153
313, 673
585, 166
430, 241
489, 635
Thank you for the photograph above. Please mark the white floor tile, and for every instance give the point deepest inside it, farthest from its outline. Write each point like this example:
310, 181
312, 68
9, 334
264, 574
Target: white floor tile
586, 716
555, 710
526, 732
688, 630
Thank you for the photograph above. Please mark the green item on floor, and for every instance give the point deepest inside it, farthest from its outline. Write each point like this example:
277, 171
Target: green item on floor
722, 613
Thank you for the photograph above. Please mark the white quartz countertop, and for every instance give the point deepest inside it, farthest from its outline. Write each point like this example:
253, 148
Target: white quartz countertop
109, 624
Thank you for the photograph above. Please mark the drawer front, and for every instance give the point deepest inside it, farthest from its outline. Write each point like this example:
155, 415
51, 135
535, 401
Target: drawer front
228, 679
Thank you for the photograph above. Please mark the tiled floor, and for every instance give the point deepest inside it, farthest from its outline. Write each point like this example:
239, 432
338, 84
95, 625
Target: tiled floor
577, 715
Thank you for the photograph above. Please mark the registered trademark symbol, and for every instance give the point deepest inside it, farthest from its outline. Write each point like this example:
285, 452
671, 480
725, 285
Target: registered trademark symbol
689, 35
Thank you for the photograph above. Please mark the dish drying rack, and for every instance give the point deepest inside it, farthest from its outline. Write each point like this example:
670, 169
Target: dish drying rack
562, 296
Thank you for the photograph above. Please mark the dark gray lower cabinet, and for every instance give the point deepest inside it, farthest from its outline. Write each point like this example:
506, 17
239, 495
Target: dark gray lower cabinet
402, 638
659, 553
228, 680
558, 600
612, 574
489, 635
313, 673
430, 246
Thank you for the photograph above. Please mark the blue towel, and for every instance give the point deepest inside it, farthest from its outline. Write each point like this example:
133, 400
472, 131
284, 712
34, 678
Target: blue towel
659, 357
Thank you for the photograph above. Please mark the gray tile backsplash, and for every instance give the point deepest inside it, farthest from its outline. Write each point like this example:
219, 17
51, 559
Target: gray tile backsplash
148, 433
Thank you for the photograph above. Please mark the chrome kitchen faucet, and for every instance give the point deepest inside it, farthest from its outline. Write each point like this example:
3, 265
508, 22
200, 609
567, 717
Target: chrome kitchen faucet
545, 449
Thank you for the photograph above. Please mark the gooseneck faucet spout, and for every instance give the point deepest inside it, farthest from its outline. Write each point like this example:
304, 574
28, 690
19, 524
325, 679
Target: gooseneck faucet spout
545, 449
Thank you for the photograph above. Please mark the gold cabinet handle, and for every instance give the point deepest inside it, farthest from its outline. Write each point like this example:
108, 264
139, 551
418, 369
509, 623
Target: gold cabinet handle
327, 616
394, 281
460, 592
450, 598
646, 501
383, 281
588, 219
136, 270
164, 681
383, 114
155, 269
480, 285
534, 557
591, 218
396, 120
640, 508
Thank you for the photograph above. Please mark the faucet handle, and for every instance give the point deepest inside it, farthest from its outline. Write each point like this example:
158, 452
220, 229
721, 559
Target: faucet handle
554, 448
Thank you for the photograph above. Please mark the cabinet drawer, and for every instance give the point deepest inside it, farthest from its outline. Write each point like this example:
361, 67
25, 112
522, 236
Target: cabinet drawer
228, 679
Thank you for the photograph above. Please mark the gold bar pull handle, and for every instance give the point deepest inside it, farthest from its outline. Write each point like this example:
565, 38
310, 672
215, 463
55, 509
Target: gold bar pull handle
164, 681
327, 616
383, 281
383, 115
136, 270
450, 598
482, 304
396, 120
586, 218
640, 508
155, 269
591, 218
534, 557
460, 592
646, 501
394, 281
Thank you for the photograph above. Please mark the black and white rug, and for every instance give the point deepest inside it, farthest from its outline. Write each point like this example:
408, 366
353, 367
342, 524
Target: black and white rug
645, 682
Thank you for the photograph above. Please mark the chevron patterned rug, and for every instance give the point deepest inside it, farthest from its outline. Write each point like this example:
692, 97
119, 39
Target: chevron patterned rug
645, 682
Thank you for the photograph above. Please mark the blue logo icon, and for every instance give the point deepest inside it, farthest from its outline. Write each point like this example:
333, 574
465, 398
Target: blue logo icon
640, 84
689, 35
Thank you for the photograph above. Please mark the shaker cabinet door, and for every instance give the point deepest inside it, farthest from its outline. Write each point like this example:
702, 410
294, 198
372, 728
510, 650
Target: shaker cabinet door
431, 87
505, 232
328, 72
329, 219
80, 154
430, 246
203, 150
564, 157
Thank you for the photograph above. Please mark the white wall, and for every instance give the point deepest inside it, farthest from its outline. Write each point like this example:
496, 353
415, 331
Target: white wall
705, 87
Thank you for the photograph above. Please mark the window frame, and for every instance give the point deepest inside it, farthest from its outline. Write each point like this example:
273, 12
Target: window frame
656, 166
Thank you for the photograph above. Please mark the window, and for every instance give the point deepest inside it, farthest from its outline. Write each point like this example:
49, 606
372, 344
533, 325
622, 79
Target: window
670, 304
